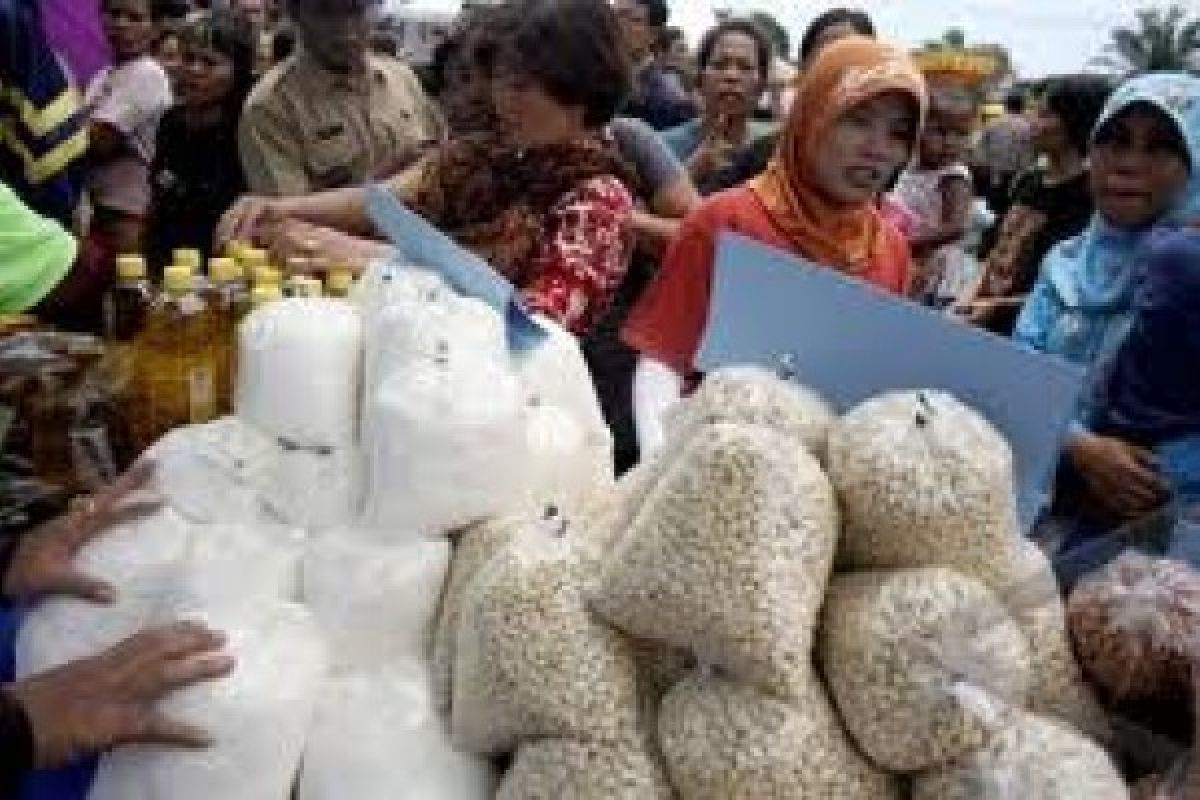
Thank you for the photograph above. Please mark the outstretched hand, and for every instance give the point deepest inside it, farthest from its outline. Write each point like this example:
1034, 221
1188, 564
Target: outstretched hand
44, 561
110, 700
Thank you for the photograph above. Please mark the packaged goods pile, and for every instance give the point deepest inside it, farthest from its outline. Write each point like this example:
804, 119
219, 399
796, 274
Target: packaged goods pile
416, 542
938, 658
325, 561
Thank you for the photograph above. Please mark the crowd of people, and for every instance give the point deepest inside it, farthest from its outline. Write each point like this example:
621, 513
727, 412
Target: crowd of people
590, 159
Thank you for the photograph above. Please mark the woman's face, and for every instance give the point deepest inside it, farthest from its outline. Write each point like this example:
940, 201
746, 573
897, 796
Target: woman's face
732, 80
1049, 132
1137, 170
129, 27
528, 114
207, 77
170, 56
865, 148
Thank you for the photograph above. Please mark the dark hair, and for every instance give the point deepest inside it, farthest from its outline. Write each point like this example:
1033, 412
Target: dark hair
1077, 100
1014, 102
161, 10
657, 12
833, 17
573, 49
230, 34
762, 45
472, 41
384, 44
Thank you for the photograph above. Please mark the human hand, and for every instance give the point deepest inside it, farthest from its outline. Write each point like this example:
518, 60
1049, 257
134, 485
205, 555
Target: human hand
977, 312
1121, 478
715, 152
242, 222
44, 561
109, 700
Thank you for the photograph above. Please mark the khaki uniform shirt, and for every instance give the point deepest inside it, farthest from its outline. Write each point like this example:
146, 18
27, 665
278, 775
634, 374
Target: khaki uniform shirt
305, 129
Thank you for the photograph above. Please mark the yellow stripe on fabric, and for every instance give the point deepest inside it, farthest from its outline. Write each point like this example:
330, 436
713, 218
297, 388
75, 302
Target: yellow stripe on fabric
44, 121
39, 170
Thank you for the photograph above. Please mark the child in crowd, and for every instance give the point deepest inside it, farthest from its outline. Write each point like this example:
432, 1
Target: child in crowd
125, 103
936, 191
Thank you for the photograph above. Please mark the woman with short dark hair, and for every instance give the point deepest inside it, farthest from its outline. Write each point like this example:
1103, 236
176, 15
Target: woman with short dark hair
825, 29
542, 197
734, 63
196, 173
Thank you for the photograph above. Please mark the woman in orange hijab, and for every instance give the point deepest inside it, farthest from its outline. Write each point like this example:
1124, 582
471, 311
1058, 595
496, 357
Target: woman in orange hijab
853, 126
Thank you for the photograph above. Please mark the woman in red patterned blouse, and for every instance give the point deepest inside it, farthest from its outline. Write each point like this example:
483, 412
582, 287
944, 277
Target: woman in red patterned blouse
543, 198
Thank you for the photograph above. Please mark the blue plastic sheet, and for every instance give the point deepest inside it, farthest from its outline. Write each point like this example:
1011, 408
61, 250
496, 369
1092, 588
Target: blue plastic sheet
423, 244
851, 342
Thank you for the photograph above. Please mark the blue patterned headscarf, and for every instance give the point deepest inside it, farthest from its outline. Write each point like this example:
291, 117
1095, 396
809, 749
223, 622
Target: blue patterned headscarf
1082, 305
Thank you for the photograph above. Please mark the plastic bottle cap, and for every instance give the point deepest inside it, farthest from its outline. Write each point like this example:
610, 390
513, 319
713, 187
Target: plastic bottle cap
261, 295
340, 280
253, 258
224, 270
236, 249
178, 279
131, 267
187, 257
267, 276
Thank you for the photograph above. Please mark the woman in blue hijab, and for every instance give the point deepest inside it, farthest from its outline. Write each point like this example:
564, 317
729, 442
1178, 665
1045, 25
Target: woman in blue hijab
1145, 178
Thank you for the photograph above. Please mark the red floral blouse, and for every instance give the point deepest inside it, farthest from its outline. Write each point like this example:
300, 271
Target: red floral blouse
582, 260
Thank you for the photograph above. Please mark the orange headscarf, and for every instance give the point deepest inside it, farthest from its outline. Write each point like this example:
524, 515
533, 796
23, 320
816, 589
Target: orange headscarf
846, 73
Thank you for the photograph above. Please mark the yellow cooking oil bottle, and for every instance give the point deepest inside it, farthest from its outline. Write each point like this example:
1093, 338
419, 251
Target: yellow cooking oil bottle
178, 358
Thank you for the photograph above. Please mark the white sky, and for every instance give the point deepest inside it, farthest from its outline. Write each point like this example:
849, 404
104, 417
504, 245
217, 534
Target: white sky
1044, 36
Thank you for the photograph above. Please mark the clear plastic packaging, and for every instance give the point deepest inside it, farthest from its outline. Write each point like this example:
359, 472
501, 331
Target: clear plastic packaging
377, 737
896, 648
723, 740
729, 556
924, 481
531, 660
374, 601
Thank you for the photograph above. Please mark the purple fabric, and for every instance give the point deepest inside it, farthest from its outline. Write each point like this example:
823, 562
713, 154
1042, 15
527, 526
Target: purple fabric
74, 31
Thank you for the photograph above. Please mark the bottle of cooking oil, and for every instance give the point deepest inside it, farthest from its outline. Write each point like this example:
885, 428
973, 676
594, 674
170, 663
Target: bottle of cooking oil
188, 257
127, 307
228, 298
263, 294
253, 259
267, 276
236, 249
128, 302
339, 282
179, 357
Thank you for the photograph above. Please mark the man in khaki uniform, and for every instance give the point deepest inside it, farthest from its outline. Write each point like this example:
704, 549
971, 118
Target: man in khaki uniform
333, 114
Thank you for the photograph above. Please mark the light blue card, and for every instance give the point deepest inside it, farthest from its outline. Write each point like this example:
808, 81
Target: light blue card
851, 341
426, 246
